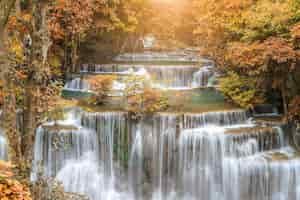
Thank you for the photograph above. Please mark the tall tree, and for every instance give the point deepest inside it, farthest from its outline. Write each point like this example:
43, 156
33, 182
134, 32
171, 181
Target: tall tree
7, 75
69, 21
36, 44
253, 39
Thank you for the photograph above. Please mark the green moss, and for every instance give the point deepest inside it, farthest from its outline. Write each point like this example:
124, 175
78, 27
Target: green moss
69, 94
207, 96
197, 100
241, 90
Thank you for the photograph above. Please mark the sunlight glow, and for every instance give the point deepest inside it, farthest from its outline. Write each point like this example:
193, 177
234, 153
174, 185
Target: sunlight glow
166, 1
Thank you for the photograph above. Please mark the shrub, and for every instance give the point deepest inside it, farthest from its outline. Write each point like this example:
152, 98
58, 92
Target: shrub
241, 90
135, 84
147, 102
294, 110
50, 189
101, 85
11, 189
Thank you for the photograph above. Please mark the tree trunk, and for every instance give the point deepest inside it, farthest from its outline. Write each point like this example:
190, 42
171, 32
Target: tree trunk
29, 122
37, 62
285, 103
74, 53
1, 42
65, 64
9, 108
10, 123
18, 7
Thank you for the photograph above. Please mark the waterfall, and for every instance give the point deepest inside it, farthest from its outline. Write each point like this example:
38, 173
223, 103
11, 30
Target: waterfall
258, 138
136, 167
179, 56
171, 77
165, 156
55, 146
217, 118
110, 68
224, 159
97, 68
3, 146
111, 129
87, 176
77, 84
82, 158
215, 165
201, 78
200, 153
83, 176
256, 177
152, 156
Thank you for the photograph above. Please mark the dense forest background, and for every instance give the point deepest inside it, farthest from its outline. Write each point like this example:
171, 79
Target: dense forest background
255, 44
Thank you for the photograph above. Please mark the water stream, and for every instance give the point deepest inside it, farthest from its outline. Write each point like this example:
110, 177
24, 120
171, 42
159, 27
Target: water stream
165, 77
222, 155
215, 155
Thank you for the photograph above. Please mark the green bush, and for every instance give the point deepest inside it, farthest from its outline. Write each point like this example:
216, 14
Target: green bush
241, 90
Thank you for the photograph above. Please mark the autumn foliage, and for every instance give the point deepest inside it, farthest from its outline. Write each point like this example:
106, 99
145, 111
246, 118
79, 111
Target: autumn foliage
19, 23
269, 63
255, 45
70, 18
148, 101
241, 90
11, 189
101, 85
294, 112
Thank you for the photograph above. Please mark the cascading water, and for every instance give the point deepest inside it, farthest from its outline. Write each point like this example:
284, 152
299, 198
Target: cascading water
223, 161
257, 177
172, 77
83, 176
179, 56
53, 148
82, 158
218, 155
201, 78
216, 164
111, 129
161, 145
88, 176
77, 84
221, 118
209, 156
177, 77
3, 146
135, 165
